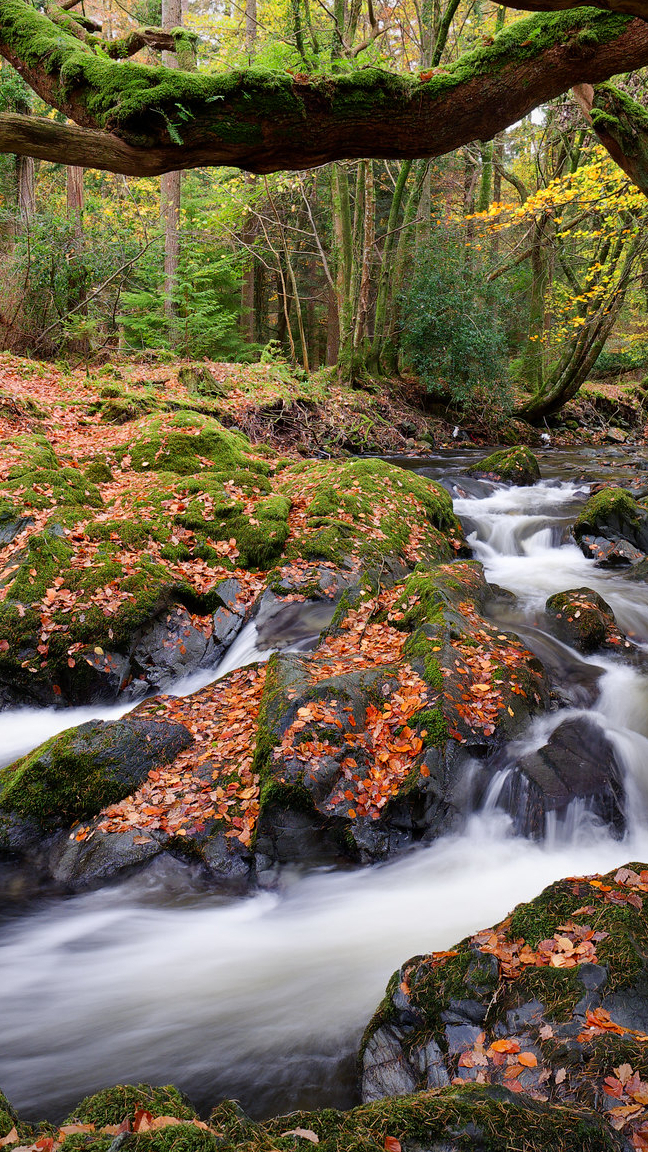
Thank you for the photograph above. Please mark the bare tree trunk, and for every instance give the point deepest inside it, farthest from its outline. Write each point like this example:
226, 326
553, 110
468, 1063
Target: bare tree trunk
25, 174
170, 195
250, 226
77, 278
250, 27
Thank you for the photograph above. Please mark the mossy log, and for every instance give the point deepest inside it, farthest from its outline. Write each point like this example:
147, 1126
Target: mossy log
264, 120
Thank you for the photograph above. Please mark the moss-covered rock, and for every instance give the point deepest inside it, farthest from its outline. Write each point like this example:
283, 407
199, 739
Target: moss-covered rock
614, 515
511, 466
78, 772
188, 443
114, 1105
545, 1001
583, 619
371, 510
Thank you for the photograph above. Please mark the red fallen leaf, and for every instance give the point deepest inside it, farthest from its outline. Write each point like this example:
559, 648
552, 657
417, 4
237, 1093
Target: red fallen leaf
505, 1046
392, 1144
142, 1120
613, 1087
515, 1086
4, 645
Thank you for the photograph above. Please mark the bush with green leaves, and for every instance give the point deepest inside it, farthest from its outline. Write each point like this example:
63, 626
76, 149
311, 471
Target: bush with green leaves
207, 301
451, 333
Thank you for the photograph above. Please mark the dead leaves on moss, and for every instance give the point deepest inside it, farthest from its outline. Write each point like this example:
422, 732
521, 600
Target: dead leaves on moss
143, 1121
212, 781
570, 945
374, 755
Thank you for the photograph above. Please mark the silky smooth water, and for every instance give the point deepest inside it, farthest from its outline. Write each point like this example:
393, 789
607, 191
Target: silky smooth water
264, 998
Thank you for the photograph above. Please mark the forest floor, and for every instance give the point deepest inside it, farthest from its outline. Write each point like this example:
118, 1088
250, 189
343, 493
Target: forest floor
305, 415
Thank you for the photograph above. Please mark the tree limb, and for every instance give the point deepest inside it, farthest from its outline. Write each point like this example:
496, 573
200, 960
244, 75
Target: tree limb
628, 7
130, 114
621, 125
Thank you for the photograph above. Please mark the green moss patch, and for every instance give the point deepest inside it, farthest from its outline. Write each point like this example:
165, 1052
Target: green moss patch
80, 771
368, 509
114, 1105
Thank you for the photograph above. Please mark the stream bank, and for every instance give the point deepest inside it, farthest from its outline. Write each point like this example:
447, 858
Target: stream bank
127, 944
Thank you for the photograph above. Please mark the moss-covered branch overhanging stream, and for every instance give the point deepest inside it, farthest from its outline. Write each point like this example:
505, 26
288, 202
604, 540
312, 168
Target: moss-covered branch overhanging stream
142, 119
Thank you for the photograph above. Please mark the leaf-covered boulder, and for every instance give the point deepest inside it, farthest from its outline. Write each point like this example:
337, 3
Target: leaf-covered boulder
76, 773
584, 620
552, 1003
366, 743
510, 466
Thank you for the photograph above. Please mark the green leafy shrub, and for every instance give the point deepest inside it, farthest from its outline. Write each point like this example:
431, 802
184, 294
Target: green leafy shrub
450, 331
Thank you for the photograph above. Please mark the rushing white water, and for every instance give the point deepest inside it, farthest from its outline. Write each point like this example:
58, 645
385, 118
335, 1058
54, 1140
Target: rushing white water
257, 998
264, 998
514, 532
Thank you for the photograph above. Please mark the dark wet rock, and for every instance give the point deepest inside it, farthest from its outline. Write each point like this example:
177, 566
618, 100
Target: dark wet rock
9, 528
169, 648
578, 762
614, 515
610, 553
101, 856
228, 864
583, 620
510, 466
385, 1071
78, 772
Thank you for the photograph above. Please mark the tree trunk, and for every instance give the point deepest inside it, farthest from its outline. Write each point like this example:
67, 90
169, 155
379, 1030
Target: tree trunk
588, 343
170, 193
25, 193
77, 281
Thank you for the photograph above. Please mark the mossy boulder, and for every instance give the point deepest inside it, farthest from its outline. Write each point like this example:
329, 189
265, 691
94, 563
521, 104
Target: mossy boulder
39, 480
583, 620
510, 466
613, 515
188, 443
383, 516
78, 772
547, 1001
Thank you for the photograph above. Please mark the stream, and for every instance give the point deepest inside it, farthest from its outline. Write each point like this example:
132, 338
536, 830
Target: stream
156, 978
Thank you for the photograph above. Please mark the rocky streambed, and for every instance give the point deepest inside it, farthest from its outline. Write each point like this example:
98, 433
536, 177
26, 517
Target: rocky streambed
312, 666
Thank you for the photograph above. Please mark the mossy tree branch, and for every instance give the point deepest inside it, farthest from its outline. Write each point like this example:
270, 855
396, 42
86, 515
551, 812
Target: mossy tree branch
265, 121
621, 125
629, 7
